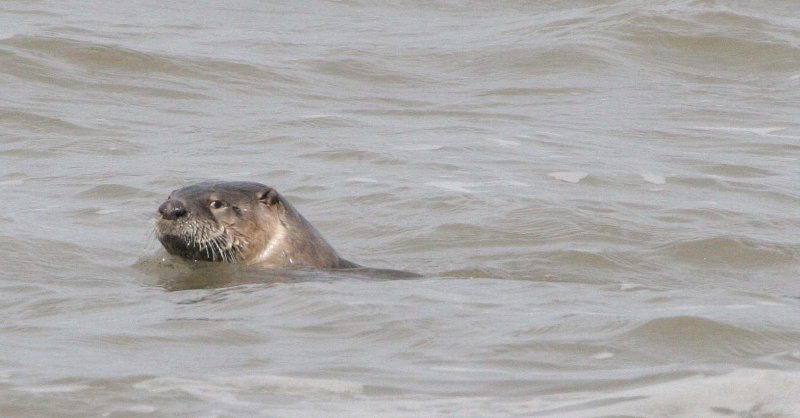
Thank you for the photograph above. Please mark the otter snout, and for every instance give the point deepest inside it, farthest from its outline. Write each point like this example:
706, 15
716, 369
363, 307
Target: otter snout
172, 210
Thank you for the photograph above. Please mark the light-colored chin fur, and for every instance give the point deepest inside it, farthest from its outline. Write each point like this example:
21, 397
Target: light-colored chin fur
214, 240
227, 243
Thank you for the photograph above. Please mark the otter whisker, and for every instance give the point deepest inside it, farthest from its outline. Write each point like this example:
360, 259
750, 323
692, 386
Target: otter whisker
219, 250
204, 246
225, 244
236, 252
231, 252
216, 242
214, 250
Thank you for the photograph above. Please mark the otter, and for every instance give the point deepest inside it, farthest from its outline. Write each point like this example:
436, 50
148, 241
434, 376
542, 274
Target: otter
242, 222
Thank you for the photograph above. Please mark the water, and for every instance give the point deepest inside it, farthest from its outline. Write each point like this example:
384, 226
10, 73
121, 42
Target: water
601, 197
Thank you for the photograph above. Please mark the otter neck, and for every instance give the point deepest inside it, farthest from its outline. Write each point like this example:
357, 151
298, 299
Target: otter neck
273, 251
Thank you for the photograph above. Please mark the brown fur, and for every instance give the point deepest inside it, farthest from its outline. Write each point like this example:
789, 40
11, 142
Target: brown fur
242, 222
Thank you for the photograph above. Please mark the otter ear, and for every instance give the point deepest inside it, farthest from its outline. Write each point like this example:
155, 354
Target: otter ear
268, 196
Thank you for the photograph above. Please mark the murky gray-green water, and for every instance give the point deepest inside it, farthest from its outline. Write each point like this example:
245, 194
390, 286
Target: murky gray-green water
602, 198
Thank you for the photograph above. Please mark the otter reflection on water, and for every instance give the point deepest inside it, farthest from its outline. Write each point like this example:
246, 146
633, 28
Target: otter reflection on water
246, 223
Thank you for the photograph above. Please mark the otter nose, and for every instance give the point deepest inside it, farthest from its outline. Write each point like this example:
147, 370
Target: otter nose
172, 209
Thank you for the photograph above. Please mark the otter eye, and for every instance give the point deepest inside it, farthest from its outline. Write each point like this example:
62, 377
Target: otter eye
216, 204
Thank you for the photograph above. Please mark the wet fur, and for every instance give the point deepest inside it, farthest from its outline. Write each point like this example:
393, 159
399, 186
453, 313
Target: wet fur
257, 227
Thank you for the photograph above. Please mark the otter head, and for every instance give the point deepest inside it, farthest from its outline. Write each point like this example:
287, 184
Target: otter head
219, 221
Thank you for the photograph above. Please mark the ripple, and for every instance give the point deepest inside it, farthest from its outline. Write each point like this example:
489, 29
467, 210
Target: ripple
40, 123
42, 58
92, 55
691, 337
731, 251
354, 155
110, 191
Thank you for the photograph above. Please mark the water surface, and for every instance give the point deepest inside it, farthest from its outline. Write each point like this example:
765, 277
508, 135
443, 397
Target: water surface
601, 197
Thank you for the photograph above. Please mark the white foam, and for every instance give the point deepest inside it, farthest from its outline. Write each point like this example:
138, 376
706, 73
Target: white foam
53, 388
605, 355
198, 388
225, 388
420, 147
290, 384
569, 176
769, 303
631, 286
451, 369
742, 393
135, 409
508, 182
745, 392
48, 207
454, 186
758, 131
320, 116
654, 178
548, 134
361, 180
505, 142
